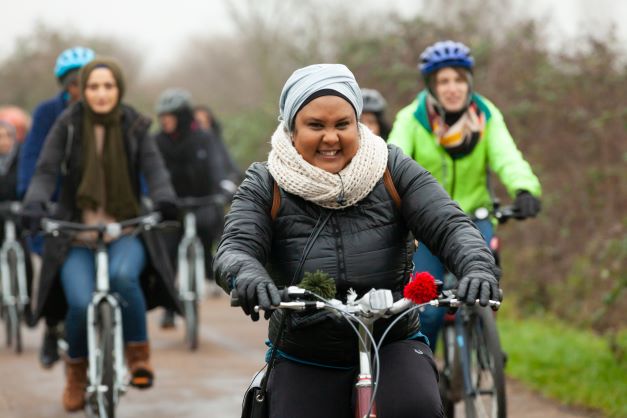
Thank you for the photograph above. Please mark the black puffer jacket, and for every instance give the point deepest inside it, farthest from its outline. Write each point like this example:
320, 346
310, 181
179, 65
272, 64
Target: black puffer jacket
62, 154
194, 162
365, 246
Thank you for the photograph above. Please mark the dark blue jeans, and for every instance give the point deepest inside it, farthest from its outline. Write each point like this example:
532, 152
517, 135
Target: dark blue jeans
432, 318
127, 258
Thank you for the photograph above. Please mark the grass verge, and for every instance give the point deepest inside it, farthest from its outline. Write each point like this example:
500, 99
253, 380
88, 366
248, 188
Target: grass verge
573, 366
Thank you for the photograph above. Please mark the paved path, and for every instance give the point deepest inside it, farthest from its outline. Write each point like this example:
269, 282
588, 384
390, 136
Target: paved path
208, 383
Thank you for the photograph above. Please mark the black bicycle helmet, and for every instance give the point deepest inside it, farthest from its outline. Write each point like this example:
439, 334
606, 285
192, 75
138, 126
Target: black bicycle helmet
373, 101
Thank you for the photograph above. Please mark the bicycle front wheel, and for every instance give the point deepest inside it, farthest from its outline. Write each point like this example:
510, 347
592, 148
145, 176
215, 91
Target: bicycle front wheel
190, 306
105, 360
488, 398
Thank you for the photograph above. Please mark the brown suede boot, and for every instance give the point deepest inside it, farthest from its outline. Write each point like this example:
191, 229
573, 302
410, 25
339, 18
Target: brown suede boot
138, 360
75, 385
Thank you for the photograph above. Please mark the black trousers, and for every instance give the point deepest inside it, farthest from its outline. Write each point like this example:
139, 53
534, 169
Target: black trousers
408, 386
206, 236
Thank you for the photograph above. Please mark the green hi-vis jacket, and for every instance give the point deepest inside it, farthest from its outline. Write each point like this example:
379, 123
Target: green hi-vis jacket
465, 178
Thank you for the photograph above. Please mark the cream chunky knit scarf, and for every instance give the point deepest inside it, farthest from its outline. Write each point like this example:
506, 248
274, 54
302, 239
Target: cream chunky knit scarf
295, 175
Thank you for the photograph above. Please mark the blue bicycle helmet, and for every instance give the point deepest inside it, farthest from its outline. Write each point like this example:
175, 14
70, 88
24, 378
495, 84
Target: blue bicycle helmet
445, 54
71, 59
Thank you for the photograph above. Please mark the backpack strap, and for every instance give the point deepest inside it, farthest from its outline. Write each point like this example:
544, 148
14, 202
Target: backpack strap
65, 163
391, 188
276, 201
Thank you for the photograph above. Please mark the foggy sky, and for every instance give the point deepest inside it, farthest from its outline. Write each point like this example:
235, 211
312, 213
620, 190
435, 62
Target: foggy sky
159, 29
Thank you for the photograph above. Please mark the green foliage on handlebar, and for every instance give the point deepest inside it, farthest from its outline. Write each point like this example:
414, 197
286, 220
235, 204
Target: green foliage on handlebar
319, 283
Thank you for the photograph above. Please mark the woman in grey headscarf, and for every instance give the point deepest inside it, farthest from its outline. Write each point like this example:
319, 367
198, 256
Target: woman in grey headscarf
323, 164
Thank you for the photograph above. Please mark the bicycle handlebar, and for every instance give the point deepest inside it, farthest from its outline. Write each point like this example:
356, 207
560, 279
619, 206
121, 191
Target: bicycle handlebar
114, 229
192, 202
10, 208
376, 303
501, 214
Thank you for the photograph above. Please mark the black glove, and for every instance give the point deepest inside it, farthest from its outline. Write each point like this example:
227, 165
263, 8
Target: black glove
168, 210
526, 205
478, 285
32, 214
256, 290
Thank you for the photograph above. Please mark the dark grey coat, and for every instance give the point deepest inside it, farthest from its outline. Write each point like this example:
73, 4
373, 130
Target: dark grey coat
368, 245
62, 154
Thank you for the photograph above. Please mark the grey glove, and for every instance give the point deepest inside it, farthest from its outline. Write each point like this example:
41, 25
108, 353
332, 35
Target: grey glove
478, 285
256, 290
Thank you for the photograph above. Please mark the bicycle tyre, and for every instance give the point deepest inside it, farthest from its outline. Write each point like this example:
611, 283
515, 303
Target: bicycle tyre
448, 372
17, 311
8, 328
486, 367
106, 347
18, 331
191, 306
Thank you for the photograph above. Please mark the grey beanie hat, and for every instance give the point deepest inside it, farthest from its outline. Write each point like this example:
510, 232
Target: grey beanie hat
308, 80
171, 100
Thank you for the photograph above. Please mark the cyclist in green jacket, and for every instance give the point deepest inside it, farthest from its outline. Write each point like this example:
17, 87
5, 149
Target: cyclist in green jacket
460, 136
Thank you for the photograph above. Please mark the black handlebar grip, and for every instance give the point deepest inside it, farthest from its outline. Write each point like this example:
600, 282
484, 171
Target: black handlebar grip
234, 299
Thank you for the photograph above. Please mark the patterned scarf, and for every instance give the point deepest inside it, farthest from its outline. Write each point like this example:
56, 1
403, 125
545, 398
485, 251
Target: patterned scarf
333, 191
461, 137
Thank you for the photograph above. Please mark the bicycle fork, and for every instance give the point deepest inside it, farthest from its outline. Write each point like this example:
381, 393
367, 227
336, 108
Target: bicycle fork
118, 345
461, 339
363, 387
19, 296
190, 240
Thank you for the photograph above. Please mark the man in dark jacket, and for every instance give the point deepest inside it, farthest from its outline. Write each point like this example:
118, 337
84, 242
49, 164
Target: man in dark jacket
66, 70
194, 159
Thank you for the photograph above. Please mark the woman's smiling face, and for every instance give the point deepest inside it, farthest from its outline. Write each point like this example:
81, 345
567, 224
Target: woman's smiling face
326, 133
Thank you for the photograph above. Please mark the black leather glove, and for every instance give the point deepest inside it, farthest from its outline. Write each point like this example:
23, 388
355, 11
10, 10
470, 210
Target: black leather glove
168, 210
478, 285
32, 214
256, 290
526, 205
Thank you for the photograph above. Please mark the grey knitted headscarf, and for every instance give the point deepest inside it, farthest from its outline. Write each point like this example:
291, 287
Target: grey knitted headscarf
308, 80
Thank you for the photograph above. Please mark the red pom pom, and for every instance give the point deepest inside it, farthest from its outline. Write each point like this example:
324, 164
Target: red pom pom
421, 288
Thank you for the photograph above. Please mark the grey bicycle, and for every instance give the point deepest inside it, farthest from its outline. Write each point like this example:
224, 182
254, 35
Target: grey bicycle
191, 264
14, 298
107, 373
